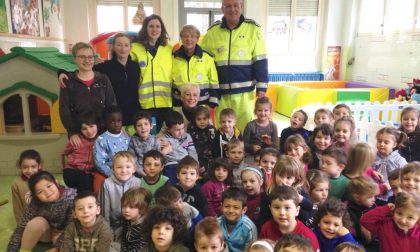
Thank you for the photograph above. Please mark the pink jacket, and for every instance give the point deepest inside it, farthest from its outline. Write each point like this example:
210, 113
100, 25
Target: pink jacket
213, 190
391, 238
80, 158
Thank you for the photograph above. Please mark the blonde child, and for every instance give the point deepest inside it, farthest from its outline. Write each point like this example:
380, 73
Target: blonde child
289, 172
293, 242
322, 116
341, 110
332, 225
361, 198
388, 158
88, 231
410, 117
226, 132
296, 147
165, 228
261, 132
135, 204
79, 166
208, 236
220, 180
344, 133
45, 218
29, 163
268, 159
257, 200
396, 226
113, 188
153, 164
261, 245
410, 177
320, 140
235, 153
334, 160
319, 185
297, 124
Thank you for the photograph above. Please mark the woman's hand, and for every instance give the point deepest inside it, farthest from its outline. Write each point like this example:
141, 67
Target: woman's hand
75, 141
61, 78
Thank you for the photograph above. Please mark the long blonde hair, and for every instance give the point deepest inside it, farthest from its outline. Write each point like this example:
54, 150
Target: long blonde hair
361, 157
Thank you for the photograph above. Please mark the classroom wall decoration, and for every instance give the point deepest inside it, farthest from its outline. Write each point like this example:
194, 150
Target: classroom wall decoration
53, 18
3, 17
25, 17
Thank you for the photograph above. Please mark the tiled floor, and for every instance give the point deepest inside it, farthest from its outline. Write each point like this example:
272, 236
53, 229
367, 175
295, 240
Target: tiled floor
7, 221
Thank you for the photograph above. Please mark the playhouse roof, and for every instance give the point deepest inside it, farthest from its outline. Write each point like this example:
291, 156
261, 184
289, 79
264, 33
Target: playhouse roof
48, 57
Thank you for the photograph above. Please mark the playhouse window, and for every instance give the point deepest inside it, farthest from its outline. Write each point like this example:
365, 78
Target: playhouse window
39, 112
13, 115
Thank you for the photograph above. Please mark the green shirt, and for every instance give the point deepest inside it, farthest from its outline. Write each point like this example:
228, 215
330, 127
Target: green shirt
338, 187
153, 187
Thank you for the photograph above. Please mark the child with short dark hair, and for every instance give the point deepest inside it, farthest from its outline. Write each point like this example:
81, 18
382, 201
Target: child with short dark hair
208, 236
268, 159
297, 124
320, 140
153, 163
396, 226
235, 152
29, 163
341, 110
394, 180
135, 204
410, 177
334, 160
220, 180
293, 242
410, 118
284, 206
89, 231
323, 116
187, 174
79, 166
165, 228
226, 132
333, 223
181, 143
238, 229
107, 144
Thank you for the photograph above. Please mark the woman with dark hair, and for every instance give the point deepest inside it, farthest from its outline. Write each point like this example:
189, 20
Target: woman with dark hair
154, 57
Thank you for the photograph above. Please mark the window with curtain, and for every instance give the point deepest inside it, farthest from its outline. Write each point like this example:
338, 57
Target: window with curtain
117, 15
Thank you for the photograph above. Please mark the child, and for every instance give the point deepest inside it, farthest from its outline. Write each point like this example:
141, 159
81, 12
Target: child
394, 180
284, 207
349, 247
142, 141
165, 228
153, 162
262, 245
78, 170
202, 134
226, 132
257, 200
208, 236
344, 133
293, 242
361, 198
187, 174
319, 185
333, 223
320, 140
113, 188
341, 110
29, 163
396, 226
268, 159
334, 160
410, 150
181, 143
297, 124
238, 229
322, 116
410, 177
110, 142
170, 196
235, 152
46, 216
89, 231
135, 204
388, 158
261, 132
296, 147
220, 180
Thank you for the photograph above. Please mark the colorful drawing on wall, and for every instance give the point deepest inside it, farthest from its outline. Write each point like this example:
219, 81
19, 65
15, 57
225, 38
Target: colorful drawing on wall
3, 17
333, 62
25, 17
53, 19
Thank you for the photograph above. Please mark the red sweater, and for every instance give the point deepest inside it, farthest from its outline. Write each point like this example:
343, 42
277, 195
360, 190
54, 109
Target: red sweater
80, 158
391, 238
270, 230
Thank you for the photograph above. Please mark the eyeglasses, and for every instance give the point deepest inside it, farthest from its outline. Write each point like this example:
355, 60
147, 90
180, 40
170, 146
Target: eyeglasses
84, 57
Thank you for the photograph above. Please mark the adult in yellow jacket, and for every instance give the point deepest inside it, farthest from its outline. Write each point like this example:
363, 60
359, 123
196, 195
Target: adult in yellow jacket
154, 56
192, 64
240, 56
